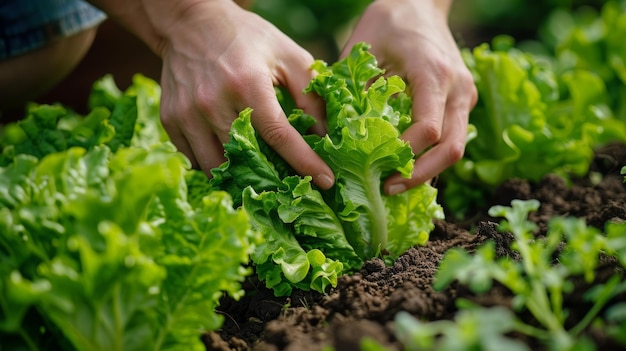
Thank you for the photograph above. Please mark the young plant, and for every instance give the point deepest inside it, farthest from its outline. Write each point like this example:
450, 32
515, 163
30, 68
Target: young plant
538, 283
528, 113
471, 329
101, 246
312, 236
591, 39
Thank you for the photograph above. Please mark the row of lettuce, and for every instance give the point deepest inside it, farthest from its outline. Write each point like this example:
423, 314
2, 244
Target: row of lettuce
103, 245
109, 240
543, 113
537, 114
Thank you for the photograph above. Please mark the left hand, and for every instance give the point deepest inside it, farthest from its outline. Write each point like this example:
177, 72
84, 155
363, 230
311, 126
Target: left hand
411, 39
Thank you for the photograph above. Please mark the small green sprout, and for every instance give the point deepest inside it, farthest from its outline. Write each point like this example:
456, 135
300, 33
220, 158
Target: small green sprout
543, 276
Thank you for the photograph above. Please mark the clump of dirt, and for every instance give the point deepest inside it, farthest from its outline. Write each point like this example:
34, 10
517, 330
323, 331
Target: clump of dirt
364, 304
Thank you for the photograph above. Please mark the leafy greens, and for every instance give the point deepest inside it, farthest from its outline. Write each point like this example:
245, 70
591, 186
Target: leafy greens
312, 236
544, 274
531, 120
103, 245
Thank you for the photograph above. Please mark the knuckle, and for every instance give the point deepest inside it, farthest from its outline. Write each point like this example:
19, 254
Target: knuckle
240, 80
275, 134
431, 132
473, 95
456, 150
302, 56
167, 119
443, 70
204, 100
171, 113
466, 81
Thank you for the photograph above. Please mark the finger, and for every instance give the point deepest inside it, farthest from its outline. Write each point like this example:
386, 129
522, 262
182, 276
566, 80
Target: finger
177, 137
445, 153
296, 77
271, 123
206, 147
189, 130
429, 104
194, 138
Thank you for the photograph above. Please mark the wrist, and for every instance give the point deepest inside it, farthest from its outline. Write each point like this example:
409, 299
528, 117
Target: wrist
153, 21
443, 5
440, 8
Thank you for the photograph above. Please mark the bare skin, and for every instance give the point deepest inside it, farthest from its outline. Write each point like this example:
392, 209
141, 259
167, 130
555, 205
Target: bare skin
423, 52
219, 58
25, 77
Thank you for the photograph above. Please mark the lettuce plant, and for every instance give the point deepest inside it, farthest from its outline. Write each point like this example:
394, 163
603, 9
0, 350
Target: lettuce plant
592, 40
531, 120
312, 236
102, 246
543, 276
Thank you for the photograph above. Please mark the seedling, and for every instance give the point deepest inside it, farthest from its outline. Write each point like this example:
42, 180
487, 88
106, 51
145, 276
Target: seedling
544, 275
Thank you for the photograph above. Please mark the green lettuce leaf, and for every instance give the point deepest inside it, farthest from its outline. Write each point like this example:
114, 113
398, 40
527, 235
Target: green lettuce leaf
313, 236
369, 148
528, 113
101, 243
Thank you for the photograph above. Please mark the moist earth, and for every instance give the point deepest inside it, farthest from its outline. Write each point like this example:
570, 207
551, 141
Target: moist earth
364, 304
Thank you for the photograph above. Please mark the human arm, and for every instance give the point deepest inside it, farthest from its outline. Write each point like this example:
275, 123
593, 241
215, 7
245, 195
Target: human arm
411, 38
218, 59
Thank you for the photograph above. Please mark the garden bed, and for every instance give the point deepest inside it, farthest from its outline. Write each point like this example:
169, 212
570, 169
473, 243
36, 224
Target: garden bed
110, 241
365, 304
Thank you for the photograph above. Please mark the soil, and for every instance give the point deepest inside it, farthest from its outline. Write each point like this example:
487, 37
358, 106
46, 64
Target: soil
365, 303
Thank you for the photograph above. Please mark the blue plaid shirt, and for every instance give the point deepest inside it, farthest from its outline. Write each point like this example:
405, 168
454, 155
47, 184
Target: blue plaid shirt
26, 25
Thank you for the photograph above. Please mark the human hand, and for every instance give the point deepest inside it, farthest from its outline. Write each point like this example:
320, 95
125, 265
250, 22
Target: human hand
411, 38
219, 59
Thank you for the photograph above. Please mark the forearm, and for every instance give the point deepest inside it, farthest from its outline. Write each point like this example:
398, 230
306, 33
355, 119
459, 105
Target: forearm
441, 7
149, 20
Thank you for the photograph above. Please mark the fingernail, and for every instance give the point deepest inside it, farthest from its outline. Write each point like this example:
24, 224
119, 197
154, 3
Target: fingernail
396, 189
324, 181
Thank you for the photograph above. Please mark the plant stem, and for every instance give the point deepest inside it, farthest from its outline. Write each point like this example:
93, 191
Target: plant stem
597, 306
543, 311
27, 339
377, 215
538, 302
531, 331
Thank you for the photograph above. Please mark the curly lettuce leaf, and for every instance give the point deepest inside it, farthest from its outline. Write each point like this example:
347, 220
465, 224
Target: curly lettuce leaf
51, 128
410, 218
102, 247
284, 260
117, 119
247, 164
343, 88
312, 236
107, 247
291, 214
364, 148
528, 113
368, 150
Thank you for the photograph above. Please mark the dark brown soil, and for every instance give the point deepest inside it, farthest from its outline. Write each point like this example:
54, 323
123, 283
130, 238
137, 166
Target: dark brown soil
365, 303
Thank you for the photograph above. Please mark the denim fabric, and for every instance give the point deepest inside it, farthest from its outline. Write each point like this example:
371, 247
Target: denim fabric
26, 25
